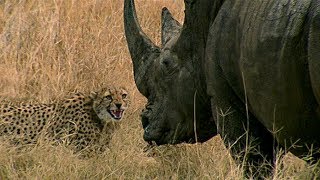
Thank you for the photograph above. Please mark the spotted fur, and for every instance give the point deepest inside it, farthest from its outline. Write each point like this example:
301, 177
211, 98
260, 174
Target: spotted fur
80, 120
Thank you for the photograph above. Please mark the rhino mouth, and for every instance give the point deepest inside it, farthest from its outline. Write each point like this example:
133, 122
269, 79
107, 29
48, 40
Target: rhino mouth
159, 135
156, 136
165, 137
116, 114
153, 134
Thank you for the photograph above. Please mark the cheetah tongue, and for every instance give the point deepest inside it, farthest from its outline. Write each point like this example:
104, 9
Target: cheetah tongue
117, 114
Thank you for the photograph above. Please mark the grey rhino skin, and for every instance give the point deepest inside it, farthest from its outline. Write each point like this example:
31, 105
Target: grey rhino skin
247, 70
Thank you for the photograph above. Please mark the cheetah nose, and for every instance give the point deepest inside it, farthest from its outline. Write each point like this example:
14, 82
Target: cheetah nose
118, 105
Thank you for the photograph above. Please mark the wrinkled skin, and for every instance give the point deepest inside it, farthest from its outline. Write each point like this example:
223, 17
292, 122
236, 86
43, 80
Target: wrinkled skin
166, 76
272, 66
257, 62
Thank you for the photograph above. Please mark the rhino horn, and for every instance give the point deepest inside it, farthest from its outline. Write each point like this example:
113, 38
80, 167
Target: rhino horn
170, 26
140, 46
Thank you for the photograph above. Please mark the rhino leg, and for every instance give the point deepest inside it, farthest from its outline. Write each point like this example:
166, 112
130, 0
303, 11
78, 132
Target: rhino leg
314, 58
246, 137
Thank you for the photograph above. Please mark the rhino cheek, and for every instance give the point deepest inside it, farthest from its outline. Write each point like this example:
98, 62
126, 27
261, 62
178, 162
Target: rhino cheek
155, 131
152, 133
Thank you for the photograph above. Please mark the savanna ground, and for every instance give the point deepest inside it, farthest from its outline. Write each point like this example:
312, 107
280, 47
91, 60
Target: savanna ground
51, 47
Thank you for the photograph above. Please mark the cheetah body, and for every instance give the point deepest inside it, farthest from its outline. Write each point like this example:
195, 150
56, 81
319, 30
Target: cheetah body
80, 120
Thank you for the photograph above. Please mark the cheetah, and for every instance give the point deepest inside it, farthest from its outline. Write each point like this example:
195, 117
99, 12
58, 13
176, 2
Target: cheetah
80, 119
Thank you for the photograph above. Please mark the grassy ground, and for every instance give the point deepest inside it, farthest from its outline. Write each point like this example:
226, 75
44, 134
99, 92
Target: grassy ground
51, 47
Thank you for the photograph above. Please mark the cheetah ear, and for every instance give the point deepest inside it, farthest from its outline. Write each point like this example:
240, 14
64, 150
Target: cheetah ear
93, 95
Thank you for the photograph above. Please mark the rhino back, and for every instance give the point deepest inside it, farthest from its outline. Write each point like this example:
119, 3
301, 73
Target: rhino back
258, 53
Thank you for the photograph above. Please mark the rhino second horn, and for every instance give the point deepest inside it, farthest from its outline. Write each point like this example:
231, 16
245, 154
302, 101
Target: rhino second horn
170, 27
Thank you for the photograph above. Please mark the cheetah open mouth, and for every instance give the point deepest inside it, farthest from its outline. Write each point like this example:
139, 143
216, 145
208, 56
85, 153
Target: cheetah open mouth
116, 114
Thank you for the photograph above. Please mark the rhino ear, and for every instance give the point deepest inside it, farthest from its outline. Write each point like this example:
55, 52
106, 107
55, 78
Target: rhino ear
170, 26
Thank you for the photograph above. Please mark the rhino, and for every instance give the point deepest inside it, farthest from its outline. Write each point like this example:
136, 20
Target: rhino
246, 70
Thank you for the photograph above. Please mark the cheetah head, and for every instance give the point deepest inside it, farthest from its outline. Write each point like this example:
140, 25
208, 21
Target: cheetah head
110, 103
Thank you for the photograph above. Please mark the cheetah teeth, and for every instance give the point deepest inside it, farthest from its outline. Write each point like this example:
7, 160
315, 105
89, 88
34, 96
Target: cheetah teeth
117, 114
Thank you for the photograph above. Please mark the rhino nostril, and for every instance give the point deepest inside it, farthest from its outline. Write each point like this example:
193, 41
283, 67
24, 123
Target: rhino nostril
147, 129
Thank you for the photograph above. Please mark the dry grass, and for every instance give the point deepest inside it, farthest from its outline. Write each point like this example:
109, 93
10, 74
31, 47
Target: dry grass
51, 47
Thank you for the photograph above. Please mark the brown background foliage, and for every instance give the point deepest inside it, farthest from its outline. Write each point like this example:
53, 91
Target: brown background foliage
51, 47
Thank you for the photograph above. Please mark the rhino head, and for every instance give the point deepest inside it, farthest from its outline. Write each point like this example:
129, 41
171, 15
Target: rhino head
171, 77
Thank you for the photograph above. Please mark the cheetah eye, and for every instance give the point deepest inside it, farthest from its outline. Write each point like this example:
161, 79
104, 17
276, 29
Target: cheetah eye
109, 97
124, 96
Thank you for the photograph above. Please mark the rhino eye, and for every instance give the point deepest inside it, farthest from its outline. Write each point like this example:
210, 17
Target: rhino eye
168, 66
166, 62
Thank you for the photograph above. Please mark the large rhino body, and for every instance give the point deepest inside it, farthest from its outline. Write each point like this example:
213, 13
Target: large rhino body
248, 70
266, 55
